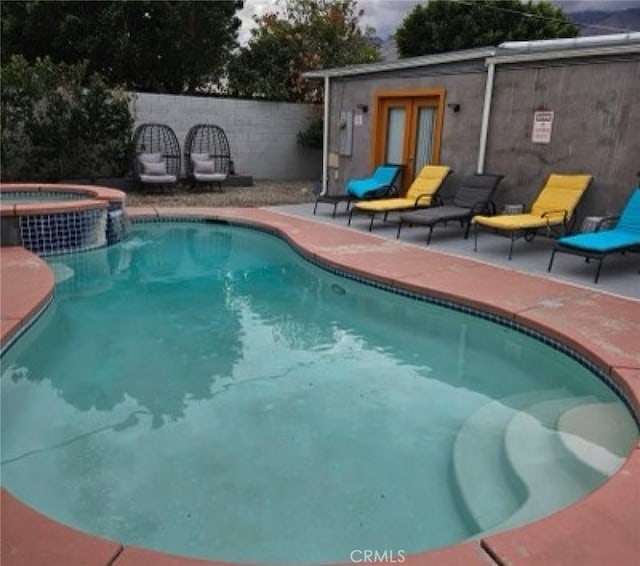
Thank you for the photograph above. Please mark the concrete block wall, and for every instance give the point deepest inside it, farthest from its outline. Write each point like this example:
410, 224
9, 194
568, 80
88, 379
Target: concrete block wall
262, 135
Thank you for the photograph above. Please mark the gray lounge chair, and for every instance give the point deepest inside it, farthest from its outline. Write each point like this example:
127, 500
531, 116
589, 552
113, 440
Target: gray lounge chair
472, 197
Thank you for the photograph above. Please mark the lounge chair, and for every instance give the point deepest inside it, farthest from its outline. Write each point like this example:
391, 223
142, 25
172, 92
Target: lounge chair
157, 150
624, 236
421, 194
381, 183
473, 196
207, 155
553, 209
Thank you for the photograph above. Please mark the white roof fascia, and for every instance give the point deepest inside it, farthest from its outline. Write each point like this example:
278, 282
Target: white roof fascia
564, 53
409, 63
572, 42
513, 51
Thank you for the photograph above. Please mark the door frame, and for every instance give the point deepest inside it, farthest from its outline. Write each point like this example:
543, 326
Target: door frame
382, 98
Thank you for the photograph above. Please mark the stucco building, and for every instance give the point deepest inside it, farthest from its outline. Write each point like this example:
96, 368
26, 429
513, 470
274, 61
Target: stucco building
522, 109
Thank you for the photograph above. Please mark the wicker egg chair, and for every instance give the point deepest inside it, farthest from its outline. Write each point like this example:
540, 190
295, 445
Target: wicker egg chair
157, 160
207, 155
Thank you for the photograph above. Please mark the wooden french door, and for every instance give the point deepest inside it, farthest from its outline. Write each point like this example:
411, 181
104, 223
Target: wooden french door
408, 126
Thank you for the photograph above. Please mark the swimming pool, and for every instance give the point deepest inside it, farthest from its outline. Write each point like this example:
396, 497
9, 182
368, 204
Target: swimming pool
356, 426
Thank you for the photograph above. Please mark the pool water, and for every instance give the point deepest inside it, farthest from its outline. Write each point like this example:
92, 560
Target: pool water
22, 197
201, 389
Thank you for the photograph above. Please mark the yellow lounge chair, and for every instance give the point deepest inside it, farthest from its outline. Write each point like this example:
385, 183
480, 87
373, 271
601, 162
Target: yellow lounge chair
421, 194
554, 207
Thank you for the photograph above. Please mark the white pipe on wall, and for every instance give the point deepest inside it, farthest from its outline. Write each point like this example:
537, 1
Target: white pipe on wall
486, 112
325, 138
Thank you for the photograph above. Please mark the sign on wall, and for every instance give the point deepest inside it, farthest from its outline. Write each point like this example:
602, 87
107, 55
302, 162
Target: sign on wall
542, 126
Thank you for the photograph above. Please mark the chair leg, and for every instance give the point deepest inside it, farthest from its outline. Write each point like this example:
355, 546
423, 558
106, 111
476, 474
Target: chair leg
429, 234
335, 207
598, 270
315, 207
399, 229
553, 255
350, 216
513, 239
371, 223
475, 237
467, 229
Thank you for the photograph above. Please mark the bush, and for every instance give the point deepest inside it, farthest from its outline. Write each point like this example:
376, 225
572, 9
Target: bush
313, 135
58, 122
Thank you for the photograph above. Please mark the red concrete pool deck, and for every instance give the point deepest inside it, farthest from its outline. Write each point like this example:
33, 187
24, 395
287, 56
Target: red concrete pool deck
603, 529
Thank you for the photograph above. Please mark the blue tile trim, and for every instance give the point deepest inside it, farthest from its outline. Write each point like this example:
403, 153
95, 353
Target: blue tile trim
512, 325
43, 195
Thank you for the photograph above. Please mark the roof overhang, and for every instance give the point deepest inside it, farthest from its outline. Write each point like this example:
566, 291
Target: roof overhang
509, 52
409, 63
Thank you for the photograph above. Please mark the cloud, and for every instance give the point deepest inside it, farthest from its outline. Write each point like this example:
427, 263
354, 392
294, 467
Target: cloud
251, 9
596, 5
386, 15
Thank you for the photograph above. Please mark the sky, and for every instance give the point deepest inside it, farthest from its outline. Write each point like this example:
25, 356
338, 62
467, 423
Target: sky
386, 15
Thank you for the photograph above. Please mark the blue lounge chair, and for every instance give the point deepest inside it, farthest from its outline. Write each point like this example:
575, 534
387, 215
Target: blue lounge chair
382, 183
624, 236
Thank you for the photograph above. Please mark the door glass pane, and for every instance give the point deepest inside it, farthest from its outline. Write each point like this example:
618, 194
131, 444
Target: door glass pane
424, 140
395, 135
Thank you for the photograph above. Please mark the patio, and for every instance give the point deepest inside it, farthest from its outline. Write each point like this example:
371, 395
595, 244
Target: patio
620, 274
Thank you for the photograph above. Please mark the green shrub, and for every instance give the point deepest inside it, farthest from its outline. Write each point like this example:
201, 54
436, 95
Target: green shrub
58, 122
313, 135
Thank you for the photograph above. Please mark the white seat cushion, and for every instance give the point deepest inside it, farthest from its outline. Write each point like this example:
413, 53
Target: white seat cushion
210, 177
158, 179
150, 157
151, 168
207, 166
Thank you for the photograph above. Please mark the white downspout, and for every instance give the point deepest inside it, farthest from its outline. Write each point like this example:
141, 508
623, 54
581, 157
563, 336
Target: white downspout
325, 138
486, 112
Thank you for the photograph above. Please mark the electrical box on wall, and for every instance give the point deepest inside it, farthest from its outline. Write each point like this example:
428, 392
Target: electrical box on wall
346, 133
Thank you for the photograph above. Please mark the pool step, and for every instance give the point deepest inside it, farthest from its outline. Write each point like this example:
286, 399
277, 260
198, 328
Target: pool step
489, 490
587, 429
537, 453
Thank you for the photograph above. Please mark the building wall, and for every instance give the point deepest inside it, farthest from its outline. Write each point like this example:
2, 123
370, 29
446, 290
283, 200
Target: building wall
596, 128
463, 85
262, 135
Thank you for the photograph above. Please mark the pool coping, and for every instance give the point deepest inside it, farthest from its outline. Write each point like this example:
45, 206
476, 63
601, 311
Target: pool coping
600, 529
96, 198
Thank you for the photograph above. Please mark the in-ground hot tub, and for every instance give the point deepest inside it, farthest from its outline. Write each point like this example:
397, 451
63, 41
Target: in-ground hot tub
52, 219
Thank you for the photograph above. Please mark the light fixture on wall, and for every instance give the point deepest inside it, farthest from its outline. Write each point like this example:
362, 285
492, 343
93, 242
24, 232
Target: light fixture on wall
454, 106
364, 108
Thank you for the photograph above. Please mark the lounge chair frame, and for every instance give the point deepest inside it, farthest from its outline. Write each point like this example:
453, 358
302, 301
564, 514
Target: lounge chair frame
552, 229
454, 212
599, 255
334, 200
347, 198
418, 201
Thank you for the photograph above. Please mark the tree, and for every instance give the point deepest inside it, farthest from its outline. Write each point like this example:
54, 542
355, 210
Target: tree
448, 25
59, 121
155, 46
310, 34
